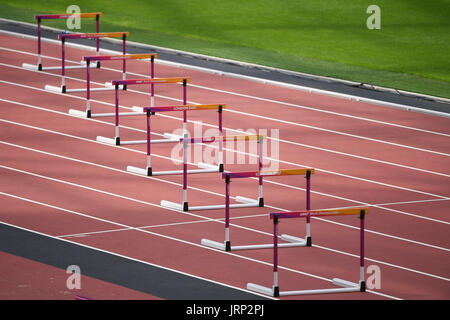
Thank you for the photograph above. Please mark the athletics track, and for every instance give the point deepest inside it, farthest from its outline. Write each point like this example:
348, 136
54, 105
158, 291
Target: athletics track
59, 183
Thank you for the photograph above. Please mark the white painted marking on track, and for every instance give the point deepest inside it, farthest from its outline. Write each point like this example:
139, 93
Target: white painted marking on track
267, 181
299, 124
282, 140
253, 79
205, 247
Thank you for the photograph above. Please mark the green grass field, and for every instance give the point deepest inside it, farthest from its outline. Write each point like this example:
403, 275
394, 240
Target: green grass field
411, 51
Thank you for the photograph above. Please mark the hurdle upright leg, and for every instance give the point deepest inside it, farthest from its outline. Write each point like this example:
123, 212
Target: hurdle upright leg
260, 165
88, 89
308, 207
362, 283
227, 213
117, 138
275, 288
149, 145
39, 44
63, 69
308, 239
97, 29
124, 63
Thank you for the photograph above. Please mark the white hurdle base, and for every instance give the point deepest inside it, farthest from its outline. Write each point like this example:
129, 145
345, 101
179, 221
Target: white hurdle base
245, 203
83, 114
34, 67
30, 66
54, 88
222, 246
78, 113
112, 114
170, 137
345, 286
113, 141
206, 168
60, 89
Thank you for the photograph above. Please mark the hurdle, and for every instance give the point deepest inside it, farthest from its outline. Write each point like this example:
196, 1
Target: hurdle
139, 111
41, 17
344, 285
244, 202
148, 171
97, 36
88, 59
292, 241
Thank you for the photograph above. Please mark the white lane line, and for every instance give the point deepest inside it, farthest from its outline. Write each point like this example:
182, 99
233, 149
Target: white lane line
170, 225
281, 121
410, 202
339, 133
319, 110
371, 205
240, 132
269, 181
341, 153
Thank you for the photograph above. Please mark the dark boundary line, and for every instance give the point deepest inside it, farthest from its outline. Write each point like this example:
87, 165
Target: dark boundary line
365, 91
118, 270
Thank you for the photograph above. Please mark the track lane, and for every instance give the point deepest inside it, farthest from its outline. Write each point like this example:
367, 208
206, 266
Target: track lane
309, 156
203, 182
100, 184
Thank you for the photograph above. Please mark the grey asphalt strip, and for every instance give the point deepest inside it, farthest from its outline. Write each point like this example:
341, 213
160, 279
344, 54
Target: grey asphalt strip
132, 274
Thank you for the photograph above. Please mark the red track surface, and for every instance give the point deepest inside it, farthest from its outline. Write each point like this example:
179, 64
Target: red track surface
364, 155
